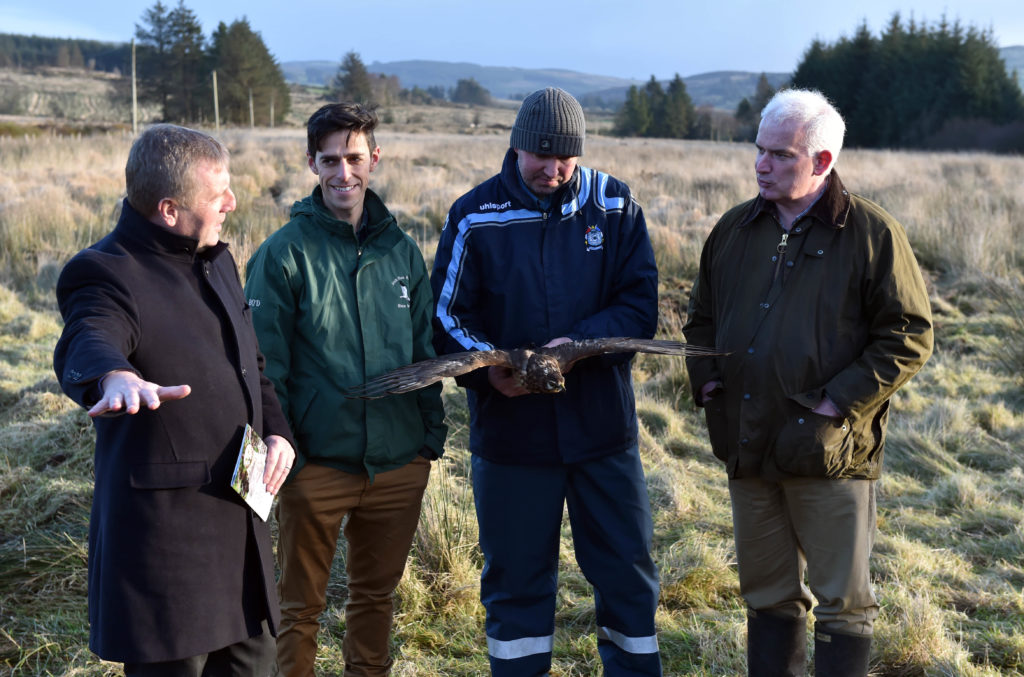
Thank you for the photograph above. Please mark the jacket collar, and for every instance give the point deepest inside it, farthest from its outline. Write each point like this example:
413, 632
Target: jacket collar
382, 233
831, 209
376, 214
515, 185
144, 234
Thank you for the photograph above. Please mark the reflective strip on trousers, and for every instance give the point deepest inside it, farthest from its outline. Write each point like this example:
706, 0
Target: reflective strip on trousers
518, 648
647, 644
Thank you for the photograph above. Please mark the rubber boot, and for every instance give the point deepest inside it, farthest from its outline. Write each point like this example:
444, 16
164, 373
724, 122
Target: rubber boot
776, 645
838, 654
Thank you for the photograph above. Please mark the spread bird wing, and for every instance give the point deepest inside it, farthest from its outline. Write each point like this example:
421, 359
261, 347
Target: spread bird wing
427, 372
569, 353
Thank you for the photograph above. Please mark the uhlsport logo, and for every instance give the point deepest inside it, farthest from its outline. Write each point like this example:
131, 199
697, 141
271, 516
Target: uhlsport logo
401, 286
594, 237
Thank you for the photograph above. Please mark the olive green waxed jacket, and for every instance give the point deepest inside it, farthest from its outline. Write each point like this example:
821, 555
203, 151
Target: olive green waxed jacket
839, 308
331, 311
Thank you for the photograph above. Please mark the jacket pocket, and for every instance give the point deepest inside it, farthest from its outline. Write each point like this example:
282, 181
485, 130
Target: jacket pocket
169, 475
718, 426
812, 445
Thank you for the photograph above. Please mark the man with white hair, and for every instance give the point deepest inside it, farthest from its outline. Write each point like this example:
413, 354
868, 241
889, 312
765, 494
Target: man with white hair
818, 300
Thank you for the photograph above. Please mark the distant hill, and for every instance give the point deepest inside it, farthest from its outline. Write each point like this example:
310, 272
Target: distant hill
722, 89
718, 89
502, 82
315, 73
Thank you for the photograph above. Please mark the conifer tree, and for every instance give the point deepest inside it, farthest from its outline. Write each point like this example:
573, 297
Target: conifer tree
244, 64
653, 111
154, 38
656, 101
634, 118
188, 65
748, 112
679, 110
352, 82
172, 61
468, 90
913, 84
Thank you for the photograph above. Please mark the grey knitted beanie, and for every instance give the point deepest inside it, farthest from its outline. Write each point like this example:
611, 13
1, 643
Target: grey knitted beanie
550, 122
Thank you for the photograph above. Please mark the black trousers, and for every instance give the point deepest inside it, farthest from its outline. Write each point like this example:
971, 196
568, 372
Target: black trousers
254, 657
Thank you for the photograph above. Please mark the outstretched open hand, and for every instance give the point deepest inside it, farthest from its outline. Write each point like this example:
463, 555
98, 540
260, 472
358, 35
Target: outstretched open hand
125, 392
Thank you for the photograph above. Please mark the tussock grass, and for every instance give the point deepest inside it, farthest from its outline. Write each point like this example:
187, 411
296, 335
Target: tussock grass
949, 561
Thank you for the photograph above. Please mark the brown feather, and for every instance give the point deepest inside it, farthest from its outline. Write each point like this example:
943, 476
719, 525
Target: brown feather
536, 370
427, 372
570, 353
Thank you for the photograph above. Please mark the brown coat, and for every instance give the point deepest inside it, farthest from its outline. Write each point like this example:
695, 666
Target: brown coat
844, 311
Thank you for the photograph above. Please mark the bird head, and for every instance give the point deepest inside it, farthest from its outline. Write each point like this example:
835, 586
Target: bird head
543, 375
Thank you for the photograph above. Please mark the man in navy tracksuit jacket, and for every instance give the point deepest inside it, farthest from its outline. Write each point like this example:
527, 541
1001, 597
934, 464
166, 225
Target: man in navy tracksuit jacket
543, 253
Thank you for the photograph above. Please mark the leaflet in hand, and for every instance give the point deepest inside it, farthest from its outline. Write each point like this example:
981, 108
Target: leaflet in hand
248, 477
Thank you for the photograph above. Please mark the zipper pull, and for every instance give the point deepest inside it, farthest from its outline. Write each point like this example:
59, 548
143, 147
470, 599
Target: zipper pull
782, 243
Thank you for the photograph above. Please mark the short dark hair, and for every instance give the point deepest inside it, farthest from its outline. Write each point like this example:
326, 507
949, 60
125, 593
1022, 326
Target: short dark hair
335, 117
162, 163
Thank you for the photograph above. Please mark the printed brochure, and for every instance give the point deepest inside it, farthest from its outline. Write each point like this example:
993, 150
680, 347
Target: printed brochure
248, 477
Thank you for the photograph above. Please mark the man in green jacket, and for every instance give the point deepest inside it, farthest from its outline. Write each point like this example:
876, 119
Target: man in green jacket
340, 295
817, 298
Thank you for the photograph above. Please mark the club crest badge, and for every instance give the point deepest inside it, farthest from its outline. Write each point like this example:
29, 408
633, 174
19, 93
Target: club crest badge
594, 237
401, 283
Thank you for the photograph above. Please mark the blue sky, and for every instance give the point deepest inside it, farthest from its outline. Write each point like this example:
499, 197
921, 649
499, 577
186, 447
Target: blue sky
625, 38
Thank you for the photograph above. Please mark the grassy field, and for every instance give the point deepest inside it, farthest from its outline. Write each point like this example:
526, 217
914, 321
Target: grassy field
949, 561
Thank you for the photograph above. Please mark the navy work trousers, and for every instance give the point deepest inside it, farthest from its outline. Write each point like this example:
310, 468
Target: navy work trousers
519, 512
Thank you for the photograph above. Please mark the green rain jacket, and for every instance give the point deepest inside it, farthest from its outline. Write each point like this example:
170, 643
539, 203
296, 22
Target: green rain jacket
840, 308
332, 311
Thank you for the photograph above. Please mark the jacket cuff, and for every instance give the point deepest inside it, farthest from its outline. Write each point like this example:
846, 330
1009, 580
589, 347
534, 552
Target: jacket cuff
700, 373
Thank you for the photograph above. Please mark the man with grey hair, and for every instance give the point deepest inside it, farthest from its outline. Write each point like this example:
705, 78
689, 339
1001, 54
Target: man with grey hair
181, 570
816, 297
543, 253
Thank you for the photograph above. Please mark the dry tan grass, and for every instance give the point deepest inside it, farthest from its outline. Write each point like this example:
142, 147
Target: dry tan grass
949, 564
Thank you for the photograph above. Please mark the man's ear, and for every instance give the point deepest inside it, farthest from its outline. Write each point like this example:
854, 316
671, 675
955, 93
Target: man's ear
311, 161
822, 162
167, 212
374, 158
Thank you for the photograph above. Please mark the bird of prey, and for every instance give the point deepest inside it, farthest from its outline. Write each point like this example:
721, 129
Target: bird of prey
538, 370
